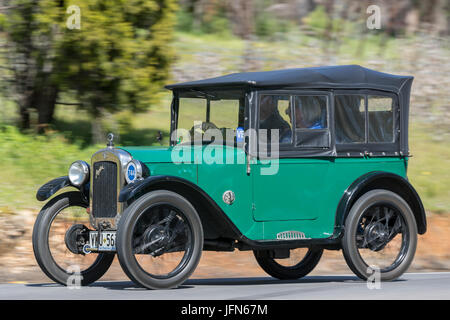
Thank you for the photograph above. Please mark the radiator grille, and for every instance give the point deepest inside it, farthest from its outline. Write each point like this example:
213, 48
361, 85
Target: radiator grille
104, 192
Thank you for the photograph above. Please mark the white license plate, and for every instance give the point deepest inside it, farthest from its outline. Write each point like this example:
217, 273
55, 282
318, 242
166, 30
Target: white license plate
106, 243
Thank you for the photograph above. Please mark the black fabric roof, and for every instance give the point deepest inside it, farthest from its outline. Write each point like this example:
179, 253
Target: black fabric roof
329, 77
350, 76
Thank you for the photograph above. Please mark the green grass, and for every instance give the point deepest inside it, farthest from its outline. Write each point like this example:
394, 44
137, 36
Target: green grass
428, 169
28, 161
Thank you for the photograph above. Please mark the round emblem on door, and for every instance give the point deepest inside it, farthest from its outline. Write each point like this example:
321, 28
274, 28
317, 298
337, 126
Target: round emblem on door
228, 197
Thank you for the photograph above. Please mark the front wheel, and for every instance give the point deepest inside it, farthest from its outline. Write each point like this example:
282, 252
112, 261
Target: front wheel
300, 262
159, 240
380, 236
61, 259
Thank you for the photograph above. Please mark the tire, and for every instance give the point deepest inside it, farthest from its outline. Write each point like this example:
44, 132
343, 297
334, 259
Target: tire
41, 248
297, 271
133, 219
352, 254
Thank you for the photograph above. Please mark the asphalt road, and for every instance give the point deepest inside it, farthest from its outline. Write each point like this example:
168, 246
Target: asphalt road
409, 286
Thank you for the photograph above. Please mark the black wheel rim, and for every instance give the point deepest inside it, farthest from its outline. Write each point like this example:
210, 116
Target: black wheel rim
63, 258
162, 241
382, 237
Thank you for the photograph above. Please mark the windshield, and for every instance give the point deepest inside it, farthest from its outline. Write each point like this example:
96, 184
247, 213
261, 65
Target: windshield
206, 115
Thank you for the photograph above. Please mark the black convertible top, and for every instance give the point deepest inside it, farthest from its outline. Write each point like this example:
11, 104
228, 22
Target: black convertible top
349, 76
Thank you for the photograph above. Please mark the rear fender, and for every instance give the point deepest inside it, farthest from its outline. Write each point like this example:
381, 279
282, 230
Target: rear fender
380, 180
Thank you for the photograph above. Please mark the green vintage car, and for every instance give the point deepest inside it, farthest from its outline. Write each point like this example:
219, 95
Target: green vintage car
285, 163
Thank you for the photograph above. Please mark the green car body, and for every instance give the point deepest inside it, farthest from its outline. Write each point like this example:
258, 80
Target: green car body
304, 196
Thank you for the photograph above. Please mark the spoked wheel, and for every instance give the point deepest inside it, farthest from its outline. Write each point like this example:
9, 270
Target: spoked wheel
301, 261
380, 235
159, 240
59, 234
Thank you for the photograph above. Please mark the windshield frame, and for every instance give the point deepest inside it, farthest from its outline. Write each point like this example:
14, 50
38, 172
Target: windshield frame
207, 95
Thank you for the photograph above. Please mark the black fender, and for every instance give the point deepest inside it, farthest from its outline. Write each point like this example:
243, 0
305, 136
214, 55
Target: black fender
53, 186
216, 224
380, 180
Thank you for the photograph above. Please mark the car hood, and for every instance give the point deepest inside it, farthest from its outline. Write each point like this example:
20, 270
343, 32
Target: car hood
176, 154
150, 154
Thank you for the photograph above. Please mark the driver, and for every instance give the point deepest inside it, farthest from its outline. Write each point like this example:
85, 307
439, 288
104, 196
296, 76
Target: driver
269, 116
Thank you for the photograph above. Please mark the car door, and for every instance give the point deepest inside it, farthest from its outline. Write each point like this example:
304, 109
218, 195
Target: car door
222, 169
293, 186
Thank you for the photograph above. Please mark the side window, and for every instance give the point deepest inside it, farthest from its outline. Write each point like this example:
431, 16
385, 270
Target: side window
225, 113
381, 119
191, 110
275, 114
311, 122
350, 119
311, 112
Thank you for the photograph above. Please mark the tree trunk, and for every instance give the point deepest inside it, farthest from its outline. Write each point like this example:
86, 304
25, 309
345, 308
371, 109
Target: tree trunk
96, 130
241, 14
46, 107
24, 117
26, 102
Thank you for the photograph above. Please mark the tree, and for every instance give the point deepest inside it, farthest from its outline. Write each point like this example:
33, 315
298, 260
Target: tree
241, 14
117, 59
120, 57
29, 60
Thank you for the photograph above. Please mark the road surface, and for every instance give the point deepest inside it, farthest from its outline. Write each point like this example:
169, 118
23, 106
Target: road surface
409, 286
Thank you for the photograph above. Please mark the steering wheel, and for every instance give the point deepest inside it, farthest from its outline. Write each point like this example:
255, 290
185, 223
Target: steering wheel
204, 127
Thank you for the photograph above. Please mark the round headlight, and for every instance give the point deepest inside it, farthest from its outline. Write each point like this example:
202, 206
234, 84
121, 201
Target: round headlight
78, 173
133, 171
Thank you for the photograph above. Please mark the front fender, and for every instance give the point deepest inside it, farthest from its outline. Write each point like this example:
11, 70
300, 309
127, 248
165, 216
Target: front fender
53, 186
216, 224
138, 187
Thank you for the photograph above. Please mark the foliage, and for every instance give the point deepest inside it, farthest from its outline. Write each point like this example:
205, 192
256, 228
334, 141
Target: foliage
427, 168
121, 56
118, 59
28, 161
28, 63
266, 25
185, 21
2, 21
317, 20
213, 21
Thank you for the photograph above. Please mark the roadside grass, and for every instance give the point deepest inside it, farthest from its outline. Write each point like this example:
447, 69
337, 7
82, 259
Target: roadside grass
290, 50
428, 169
28, 161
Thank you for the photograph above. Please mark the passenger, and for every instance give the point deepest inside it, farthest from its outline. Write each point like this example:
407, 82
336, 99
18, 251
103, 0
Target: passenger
308, 115
270, 117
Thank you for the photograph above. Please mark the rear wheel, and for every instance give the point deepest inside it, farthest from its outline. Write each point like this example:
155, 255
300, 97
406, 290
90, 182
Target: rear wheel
58, 237
159, 240
380, 235
301, 261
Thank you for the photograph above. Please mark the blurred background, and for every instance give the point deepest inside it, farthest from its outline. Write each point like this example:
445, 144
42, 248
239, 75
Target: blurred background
71, 71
